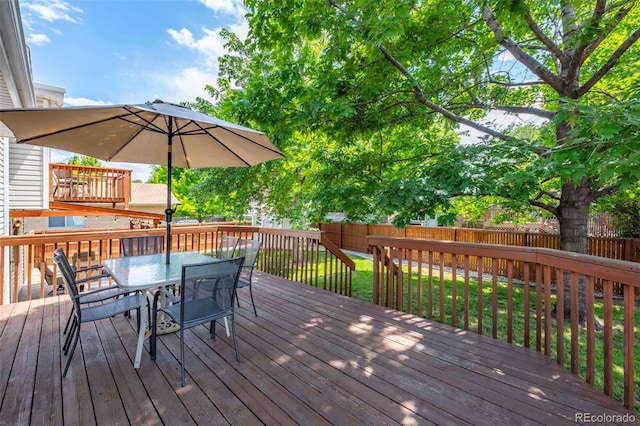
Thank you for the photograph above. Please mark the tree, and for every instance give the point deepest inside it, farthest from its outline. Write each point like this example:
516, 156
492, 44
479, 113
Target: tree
624, 207
84, 160
193, 202
345, 73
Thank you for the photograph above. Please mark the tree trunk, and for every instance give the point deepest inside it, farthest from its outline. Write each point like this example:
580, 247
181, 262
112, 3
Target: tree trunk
573, 217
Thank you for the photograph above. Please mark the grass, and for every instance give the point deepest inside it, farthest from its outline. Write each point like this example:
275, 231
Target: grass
362, 288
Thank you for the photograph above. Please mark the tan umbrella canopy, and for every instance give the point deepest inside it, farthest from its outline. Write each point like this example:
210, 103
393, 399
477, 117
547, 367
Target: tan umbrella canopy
157, 133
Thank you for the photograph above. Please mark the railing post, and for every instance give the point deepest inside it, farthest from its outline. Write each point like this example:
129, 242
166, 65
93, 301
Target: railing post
629, 344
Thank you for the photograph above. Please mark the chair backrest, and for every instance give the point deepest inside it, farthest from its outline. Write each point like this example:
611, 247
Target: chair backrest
82, 259
248, 249
138, 246
63, 258
59, 251
209, 288
68, 277
61, 175
227, 247
50, 278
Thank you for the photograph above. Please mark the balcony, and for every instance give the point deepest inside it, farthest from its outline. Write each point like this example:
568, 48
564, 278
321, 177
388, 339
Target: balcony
84, 184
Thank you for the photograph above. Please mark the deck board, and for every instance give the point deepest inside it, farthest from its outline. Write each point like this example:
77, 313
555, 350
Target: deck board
310, 357
47, 407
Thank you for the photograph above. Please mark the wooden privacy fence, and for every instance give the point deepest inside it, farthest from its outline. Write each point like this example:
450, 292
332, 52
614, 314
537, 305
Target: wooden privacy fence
302, 256
410, 275
353, 236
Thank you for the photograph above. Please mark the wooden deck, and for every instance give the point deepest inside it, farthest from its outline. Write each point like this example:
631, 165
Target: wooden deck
310, 357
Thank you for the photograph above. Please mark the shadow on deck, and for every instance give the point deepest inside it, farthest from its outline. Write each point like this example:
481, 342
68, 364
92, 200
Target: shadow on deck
310, 357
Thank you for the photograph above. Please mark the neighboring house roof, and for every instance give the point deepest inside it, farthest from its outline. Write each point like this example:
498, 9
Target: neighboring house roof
150, 194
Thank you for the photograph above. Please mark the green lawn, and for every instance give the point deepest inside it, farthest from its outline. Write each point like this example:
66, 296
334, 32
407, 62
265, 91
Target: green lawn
363, 289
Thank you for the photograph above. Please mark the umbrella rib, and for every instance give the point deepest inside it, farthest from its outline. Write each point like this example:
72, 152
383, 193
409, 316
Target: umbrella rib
205, 130
150, 125
68, 129
122, 146
236, 134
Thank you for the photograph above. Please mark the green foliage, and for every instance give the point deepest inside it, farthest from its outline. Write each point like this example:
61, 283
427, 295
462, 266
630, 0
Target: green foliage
84, 160
604, 145
184, 184
364, 99
624, 207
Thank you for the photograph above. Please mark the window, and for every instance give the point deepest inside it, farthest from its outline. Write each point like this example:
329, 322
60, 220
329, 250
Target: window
66, 222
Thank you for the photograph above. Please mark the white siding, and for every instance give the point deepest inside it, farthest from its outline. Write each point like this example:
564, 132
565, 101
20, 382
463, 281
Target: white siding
5, 97
27, 179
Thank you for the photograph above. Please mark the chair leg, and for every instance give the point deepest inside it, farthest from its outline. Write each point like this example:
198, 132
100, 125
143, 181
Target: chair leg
182, 355
235, 340
66, 327
252, 302
70, 333
73, 348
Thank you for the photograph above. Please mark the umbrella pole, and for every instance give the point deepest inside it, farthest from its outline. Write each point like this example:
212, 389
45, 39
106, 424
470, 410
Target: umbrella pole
169, 212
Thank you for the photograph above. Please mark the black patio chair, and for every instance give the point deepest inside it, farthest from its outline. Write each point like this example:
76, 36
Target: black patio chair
249, 249
85, 272
207, 292
82, 312
138, 246
91, 296
227, 247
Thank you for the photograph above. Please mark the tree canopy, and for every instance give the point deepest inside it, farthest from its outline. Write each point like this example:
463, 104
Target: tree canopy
84, 160
365, 98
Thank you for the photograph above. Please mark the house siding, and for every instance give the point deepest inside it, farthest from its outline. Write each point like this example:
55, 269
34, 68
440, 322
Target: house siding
26, 177
16, 91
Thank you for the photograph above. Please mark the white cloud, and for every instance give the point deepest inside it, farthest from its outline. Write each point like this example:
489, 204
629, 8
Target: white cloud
53, 10
184, 37
190, 82
186, 85
72, 101
38, 39
210, 45
229, 7
241, 29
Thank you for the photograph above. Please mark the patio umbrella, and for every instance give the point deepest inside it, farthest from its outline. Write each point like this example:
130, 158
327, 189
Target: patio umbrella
158, 133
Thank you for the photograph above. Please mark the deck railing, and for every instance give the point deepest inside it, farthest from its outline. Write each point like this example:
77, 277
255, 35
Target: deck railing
303, 256
84, 184
353, 236
436, 279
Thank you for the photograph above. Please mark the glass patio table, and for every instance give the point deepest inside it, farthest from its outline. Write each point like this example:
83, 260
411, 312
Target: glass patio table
147, 273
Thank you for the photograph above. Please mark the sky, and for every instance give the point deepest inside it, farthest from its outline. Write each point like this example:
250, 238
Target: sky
105, 52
